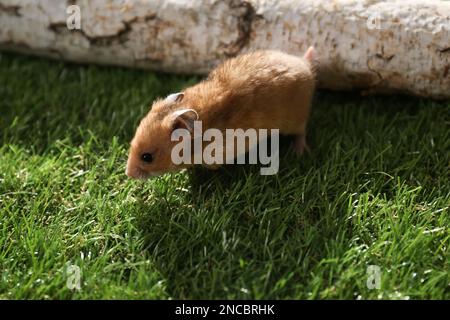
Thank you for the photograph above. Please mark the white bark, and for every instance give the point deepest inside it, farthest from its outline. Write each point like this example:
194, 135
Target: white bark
407, 49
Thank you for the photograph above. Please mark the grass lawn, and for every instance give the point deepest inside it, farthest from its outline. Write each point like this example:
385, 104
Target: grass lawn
374, 191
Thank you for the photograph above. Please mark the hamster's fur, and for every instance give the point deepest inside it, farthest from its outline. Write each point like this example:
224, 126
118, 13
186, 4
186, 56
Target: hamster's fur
261, 90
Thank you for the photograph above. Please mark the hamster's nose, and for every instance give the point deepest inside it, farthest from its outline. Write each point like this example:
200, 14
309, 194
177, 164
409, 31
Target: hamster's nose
134, 172
129, 172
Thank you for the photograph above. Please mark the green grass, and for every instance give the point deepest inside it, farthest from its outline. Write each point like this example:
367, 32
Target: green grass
374, 191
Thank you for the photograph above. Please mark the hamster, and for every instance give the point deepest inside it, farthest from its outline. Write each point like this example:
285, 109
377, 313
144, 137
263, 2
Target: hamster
262, 89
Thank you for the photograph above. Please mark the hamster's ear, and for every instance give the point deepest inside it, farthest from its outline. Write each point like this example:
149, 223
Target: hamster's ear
174, 97
184, 119
310, 54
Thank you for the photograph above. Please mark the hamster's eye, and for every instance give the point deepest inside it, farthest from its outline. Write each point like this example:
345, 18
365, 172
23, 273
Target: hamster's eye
147, 157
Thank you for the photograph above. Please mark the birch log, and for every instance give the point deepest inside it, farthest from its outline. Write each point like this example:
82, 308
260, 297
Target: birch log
377, 46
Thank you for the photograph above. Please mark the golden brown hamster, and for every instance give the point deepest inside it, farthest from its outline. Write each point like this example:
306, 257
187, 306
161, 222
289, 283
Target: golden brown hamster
262, 89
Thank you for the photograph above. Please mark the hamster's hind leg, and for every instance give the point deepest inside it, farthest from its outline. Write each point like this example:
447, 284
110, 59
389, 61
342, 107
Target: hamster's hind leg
300, 144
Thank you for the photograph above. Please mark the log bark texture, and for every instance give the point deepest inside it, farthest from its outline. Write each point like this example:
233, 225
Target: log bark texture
377, 46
